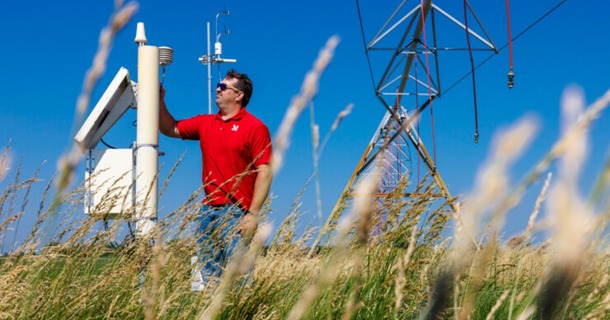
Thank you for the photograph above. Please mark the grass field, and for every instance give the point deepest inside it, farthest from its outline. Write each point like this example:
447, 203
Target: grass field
409, 267
414, 272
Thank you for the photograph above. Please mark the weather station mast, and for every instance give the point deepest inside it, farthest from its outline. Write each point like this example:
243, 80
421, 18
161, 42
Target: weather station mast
122, 184
209, 59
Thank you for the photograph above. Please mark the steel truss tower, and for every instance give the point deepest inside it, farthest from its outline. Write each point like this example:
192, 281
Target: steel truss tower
410, 44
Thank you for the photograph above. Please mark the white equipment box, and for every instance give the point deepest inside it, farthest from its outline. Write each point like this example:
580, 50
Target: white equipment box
109, 182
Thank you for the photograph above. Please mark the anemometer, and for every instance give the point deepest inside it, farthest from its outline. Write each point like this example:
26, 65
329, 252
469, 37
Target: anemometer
209, 59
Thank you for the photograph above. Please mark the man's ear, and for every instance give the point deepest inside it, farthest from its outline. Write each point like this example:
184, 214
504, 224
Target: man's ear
240, 96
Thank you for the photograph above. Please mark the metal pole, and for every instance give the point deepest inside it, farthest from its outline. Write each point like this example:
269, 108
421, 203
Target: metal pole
147, 142
209, 74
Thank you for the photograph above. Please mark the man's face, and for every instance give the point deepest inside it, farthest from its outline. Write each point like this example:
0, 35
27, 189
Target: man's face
226, 93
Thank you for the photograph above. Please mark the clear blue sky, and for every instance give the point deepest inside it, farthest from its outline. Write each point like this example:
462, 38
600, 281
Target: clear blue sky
47, 46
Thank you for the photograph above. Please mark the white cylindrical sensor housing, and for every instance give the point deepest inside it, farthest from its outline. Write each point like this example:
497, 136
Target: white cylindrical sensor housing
147, 142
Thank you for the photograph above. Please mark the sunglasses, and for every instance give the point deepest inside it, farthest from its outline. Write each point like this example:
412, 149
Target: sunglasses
224, 86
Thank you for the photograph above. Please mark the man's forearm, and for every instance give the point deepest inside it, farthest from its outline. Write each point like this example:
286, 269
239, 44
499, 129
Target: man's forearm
262, 184
167, 123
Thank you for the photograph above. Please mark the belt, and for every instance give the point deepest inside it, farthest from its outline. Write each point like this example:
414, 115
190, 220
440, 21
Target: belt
222, 206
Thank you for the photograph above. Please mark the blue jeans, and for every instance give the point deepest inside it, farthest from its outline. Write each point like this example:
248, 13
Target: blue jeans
217, 239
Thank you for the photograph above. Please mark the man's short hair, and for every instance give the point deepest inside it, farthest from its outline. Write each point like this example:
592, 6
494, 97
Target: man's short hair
243, 83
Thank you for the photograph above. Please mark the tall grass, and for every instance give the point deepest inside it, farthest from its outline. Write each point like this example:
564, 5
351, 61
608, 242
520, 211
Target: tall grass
385, 260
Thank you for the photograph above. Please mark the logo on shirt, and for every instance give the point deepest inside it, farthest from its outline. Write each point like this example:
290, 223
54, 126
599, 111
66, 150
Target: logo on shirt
235, 127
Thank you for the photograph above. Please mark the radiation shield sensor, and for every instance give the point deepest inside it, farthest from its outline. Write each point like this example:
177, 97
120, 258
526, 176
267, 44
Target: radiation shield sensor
118, 97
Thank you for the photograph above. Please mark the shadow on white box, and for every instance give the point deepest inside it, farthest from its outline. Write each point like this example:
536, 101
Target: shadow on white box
109, 182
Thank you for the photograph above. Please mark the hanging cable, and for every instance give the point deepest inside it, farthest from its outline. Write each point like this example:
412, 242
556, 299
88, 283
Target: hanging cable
474, 84
368, 58
106, 144
511, 74
427, 52
417, 104
453, 85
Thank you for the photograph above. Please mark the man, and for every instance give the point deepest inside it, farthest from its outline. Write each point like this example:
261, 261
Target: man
236, 154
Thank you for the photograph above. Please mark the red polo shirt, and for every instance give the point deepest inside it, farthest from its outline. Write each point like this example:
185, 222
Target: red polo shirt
231, 149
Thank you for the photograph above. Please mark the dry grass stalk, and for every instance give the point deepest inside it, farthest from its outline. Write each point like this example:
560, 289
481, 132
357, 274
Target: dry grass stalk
284, 266
31, 241
286, 241
403, 263
561, 146
532, 220
363, 230
600, 285
315, 139
344, 113
317, 150
493, 181
171, 173
309, 89
5, 162
601, 186
239, 265
527, 313
491, 185
152, 296
10, 194
475, 277
68, 162
365, 197
433, 261
490, 315
571, 216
